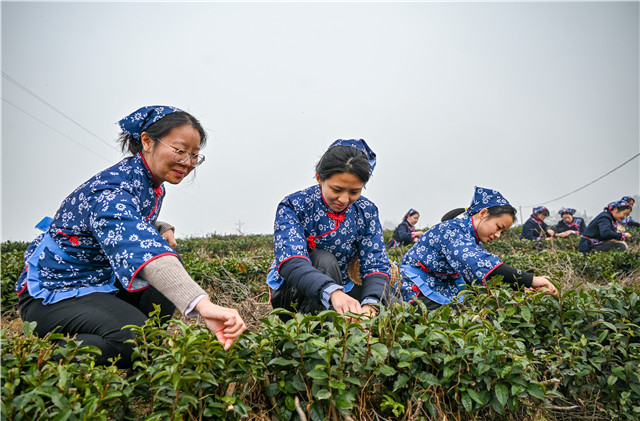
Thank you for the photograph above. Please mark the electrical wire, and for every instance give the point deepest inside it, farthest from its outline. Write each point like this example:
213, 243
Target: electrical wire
55, 130
588, 184
33, 94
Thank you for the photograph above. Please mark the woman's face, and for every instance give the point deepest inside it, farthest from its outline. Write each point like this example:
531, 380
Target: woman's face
567, 217
160, 157
489, 227
413, 219
541, 216
619, 215
340, 190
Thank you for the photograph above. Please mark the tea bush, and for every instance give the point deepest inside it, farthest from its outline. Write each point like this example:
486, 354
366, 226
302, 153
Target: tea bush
45, 381
503, 354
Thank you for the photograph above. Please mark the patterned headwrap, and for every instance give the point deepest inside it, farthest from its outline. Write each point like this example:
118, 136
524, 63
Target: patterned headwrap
138, 121
570, 211
617, 204
361, 145
485, 198
627, 198
539, 209
409, 212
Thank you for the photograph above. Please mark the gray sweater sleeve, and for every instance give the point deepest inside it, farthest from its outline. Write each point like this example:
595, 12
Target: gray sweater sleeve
163, 227
167, 275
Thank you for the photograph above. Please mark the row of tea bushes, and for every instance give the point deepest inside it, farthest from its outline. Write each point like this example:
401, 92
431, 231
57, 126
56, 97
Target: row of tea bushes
501, 355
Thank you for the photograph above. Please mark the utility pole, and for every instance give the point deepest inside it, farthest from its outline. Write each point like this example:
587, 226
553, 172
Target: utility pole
239, 229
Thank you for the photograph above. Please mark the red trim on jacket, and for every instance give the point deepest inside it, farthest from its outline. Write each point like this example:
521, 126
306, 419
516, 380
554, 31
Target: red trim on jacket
143, 265
291, 257
381, 273
157, 190
489, 273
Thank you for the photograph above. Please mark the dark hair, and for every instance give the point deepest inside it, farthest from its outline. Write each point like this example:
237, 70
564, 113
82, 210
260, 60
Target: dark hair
161, 128
493, 211
339, 159
620, 208
413, 213
544, 212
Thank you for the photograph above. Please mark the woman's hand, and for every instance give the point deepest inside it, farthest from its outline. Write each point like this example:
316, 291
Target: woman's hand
543, 282
342, 303
418, 233
169, 235
225, 322
627, 235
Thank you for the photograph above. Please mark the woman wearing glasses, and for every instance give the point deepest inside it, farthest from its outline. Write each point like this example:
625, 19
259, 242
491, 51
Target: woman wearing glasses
102, 263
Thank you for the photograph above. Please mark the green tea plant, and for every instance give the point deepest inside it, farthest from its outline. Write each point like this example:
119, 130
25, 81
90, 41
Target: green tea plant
44, 380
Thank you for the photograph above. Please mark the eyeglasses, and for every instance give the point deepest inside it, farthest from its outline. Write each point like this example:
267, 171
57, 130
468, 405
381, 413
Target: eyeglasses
181, 156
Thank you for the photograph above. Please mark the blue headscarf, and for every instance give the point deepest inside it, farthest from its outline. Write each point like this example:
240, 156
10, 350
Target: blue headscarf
570, 211
617, 204
138, 121
627, 198
409, 212
485, 198
538, 209
361, 145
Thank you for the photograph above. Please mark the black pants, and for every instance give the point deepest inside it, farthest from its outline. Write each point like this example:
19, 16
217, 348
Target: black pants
97, 319
294, 300
607, 246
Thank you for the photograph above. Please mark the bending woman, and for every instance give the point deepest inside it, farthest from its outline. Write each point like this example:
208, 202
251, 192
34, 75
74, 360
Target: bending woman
449, 255
535, 228
318, 231
405, 233
602, 232
569, 225
101, 263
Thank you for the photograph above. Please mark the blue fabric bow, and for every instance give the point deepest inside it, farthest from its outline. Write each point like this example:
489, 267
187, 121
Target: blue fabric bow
138, 121
538, 209
570, 211
485, 198
617, 204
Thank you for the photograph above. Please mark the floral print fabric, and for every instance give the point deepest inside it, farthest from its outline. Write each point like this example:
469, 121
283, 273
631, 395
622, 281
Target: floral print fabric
443, 259
304, 222
105, 226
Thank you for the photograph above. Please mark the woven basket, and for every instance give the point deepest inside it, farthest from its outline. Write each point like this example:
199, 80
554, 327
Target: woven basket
353, 270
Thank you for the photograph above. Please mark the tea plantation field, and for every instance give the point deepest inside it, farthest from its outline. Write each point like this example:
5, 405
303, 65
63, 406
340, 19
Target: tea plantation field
503, 355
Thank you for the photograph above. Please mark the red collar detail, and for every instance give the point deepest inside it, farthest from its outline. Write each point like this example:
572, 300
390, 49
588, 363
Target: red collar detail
156, 189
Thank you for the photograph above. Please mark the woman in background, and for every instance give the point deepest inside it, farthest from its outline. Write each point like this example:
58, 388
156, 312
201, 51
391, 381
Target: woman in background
535, 228
569, 225
318, 231
405, 234
628, 222
602, 233
450, 254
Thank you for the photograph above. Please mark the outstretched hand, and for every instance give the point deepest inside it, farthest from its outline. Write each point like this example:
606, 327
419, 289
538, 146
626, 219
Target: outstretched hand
224, 322
545, 284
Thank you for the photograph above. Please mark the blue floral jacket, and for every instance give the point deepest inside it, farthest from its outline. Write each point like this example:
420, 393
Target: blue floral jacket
304, 221
443, 259
102, 231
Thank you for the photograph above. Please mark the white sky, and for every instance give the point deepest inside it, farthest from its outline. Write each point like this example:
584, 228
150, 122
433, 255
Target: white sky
533, 99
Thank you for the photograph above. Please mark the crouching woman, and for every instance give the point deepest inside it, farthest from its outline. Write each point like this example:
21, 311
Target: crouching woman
450, 254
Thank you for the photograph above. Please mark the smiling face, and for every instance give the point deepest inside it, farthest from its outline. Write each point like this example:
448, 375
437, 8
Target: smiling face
413, 219
340, 190
160, 157
489, 227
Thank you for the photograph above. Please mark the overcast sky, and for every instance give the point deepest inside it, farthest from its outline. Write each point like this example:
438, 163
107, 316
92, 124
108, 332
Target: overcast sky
533, 99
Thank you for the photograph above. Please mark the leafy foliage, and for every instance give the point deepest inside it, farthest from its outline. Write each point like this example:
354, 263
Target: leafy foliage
502, 354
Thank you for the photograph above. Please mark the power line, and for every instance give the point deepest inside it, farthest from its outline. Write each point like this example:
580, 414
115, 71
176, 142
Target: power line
33, 94
588, 184
54, 129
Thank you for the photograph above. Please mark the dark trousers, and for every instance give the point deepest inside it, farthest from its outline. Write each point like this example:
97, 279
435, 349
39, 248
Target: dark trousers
293, 300
607, 246
97, 319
